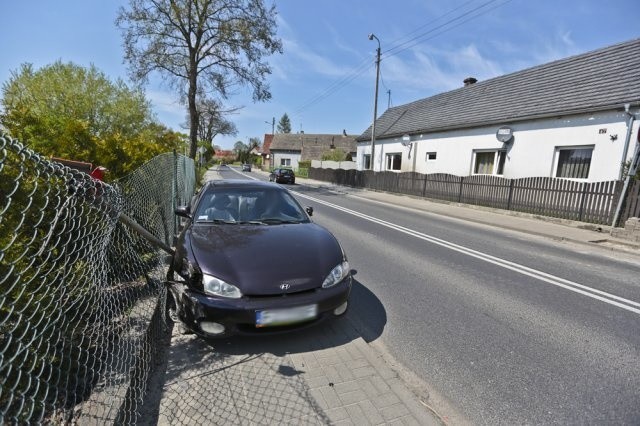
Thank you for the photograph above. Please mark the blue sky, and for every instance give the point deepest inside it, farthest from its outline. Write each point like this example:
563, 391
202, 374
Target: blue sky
325, 78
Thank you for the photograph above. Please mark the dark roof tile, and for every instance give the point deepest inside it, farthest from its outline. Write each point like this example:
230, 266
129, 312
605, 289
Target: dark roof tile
595, 81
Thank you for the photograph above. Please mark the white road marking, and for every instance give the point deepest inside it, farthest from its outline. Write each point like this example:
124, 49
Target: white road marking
593, 293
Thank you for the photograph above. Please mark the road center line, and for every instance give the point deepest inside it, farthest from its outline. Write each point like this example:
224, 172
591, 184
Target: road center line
593, 293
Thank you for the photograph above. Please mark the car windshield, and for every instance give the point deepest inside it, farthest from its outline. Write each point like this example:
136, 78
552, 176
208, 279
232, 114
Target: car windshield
259, 206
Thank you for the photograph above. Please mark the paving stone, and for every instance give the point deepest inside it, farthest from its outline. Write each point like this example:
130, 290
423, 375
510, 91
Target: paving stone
353, 397
331, 397
345, 387
356, 414
394, 411
337, 414
373, 416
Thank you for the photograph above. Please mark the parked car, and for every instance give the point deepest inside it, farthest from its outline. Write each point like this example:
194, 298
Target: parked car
246, 167
282, 176
250, 260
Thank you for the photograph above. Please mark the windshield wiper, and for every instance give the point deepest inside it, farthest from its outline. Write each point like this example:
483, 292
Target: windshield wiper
217, 221
276, 221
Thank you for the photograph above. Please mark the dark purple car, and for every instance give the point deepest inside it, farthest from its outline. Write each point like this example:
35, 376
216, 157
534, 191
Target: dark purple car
282, 176
250, 260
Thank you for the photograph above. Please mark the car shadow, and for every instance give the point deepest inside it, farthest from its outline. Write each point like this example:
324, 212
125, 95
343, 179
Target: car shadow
366, 318
239, 379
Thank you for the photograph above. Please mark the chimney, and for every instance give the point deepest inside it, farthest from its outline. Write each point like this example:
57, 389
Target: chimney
469, 81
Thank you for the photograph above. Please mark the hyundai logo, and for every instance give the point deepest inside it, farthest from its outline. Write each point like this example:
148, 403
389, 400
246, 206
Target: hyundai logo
285, 286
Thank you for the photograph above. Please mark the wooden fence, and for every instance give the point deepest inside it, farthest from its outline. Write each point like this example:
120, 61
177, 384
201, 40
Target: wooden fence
632, 203
592, 202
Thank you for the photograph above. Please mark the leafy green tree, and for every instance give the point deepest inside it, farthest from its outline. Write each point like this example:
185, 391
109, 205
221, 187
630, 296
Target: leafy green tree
208, 150
243, 150
284, 125
335, 155
200, 46
65, 110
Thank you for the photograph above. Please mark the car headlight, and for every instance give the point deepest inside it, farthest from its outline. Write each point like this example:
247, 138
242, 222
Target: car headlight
216, 287
336, 275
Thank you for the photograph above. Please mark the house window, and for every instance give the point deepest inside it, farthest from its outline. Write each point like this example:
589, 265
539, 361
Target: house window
431, 156
394, 160
489, 162
285, 162
573, 163
367, 161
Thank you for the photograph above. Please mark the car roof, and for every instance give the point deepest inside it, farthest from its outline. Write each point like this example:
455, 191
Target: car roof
239, 183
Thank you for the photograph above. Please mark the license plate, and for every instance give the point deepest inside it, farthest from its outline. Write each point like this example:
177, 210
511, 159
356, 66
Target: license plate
275, 317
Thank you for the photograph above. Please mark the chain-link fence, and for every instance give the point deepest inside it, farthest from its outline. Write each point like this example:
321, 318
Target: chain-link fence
81, 293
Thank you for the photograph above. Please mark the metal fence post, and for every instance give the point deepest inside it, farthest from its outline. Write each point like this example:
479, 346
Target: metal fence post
175, 192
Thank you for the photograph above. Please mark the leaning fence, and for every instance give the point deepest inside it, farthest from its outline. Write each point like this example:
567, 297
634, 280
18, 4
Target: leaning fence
592, 202
81, 294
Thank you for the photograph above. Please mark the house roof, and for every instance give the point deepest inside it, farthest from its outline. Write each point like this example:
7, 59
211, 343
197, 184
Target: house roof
312, 146
223, 153
268, 138
600, 80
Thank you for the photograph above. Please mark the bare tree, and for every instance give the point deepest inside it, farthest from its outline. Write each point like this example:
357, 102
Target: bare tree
211, 121
208, 45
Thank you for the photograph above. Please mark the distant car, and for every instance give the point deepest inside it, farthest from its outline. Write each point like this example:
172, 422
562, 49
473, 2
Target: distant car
282, 176
246, 167
251, 261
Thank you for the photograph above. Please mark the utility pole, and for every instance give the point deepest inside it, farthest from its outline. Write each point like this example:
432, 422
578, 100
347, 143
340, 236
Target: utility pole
273, 125
389, 100
375, 99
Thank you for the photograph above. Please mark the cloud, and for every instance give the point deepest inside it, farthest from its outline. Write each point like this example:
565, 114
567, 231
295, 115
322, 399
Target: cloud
561, 45
168, 108
436, 71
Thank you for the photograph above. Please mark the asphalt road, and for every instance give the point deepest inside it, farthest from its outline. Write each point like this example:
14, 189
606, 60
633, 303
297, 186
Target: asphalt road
504, 327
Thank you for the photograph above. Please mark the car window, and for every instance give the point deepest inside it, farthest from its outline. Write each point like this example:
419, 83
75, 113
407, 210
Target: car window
249, 205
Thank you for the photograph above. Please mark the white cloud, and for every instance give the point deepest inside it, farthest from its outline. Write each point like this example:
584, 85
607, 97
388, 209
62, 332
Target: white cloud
168, 108
437, 71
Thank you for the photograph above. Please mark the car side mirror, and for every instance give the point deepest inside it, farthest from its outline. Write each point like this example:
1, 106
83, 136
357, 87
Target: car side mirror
183, 211
310, 211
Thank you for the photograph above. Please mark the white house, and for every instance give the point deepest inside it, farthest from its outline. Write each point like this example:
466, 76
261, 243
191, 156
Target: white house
288, 149
573, 118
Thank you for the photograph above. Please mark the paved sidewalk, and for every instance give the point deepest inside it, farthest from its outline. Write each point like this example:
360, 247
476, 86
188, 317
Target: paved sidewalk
322, 375
326, 374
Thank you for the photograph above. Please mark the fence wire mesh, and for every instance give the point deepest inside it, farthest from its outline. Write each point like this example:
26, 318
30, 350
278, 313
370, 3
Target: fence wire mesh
81, 294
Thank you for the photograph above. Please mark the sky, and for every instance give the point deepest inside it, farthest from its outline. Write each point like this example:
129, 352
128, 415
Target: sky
325, 78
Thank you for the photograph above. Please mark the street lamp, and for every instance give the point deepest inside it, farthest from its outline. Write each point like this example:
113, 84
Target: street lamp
273, 124
375, 99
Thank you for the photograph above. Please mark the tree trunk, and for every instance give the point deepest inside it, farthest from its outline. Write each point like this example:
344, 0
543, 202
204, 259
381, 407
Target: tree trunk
193, 112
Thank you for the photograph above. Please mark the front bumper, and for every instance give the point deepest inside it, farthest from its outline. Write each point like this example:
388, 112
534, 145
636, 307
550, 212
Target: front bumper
238, 316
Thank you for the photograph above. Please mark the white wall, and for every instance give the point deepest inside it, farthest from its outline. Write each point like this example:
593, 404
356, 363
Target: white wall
531, 153
293, 156
345, 165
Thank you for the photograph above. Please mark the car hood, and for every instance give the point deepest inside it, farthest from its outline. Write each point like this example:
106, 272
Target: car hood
258, 259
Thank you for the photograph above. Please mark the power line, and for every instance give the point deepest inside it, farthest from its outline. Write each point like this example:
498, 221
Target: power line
336, 85
399, 46
395, 50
